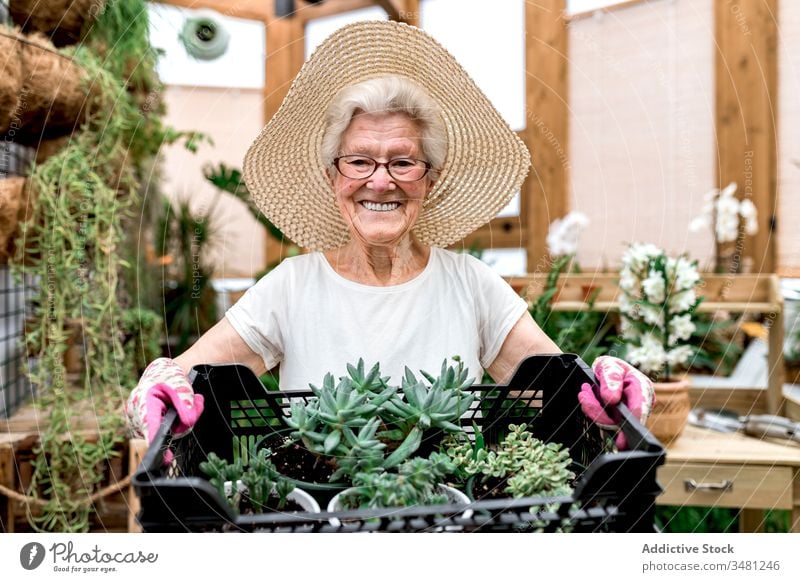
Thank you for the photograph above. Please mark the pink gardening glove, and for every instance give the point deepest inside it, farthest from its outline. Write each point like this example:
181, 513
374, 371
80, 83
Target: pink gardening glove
163, 384
619, 382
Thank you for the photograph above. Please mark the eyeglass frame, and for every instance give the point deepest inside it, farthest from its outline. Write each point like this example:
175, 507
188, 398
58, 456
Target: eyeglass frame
428, 167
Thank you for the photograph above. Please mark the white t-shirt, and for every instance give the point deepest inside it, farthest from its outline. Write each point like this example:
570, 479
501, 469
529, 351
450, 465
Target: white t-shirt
309, 319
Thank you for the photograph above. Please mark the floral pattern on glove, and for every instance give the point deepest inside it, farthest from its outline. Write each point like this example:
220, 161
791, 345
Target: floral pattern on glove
163, 384
619, 382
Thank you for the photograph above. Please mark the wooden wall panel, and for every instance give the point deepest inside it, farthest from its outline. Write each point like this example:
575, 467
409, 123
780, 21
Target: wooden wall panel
641, 144
746, 111
788, 235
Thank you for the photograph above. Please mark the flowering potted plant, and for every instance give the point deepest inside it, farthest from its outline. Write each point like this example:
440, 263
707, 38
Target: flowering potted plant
563, 235
729, 219
658, 302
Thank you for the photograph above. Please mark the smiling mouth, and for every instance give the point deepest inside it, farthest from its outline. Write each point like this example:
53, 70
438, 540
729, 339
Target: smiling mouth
385, 207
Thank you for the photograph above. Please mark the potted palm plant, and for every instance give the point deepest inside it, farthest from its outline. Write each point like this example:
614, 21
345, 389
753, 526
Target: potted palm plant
657, 304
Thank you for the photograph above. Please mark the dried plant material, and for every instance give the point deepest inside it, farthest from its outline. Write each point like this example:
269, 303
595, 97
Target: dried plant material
53, 90
63, 21
11, 193
10, 77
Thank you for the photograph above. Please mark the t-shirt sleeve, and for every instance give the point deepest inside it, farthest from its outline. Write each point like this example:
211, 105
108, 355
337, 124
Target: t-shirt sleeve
260, 315
498, 308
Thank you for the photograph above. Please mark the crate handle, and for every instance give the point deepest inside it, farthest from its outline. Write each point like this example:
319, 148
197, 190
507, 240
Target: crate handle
723, 486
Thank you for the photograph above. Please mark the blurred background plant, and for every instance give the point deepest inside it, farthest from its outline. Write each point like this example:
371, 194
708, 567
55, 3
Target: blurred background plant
230, 180
588, 333
691, 519
562, 238
183, 240
730, 220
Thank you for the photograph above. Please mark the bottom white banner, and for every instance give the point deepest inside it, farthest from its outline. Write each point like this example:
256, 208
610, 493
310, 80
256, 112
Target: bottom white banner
297, 557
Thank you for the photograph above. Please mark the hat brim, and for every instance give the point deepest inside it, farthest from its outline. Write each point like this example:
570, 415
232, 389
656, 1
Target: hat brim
485, 165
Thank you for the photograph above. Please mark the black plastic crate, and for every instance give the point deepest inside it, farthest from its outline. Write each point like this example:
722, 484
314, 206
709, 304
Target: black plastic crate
614, 492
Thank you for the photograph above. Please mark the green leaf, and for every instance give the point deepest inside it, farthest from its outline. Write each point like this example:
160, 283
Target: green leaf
332, 441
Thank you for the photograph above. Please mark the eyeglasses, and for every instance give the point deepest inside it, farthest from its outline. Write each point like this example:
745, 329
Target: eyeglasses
358, 167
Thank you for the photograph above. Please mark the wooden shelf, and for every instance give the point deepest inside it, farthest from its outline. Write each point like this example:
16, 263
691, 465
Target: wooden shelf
753, 294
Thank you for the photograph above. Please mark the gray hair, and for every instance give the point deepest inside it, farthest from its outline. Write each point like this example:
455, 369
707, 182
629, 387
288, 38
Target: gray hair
386, 95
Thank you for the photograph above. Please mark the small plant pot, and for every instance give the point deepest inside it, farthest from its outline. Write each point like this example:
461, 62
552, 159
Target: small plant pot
298, 496
454, 496
670, 410
299, 471
589, 292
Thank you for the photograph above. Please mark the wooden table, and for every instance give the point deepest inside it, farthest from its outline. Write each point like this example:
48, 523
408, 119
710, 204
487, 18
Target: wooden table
716, 469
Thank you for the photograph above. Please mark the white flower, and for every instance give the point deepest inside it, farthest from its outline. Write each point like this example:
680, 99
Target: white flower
652, 315
650, 355
747, 210
679, 356
729, 190
626, 306
700, 223
680, 328
638, 255
562, 237
685, 273
727, 210
658, 298
654, 287
629, 331
751, 226
727, 227
628, 281
682, 301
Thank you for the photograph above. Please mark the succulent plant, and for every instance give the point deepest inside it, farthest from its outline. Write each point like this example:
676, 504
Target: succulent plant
530, 467
439, 405
260, 478
355, 421
219, 471
414, 483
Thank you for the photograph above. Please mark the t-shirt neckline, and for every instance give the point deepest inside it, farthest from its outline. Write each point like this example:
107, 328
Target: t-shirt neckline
380, 289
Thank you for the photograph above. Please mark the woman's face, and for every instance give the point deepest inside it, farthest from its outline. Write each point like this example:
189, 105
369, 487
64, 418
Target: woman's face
380, 210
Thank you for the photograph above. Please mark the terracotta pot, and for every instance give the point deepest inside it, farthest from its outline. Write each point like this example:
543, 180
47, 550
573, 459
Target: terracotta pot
670, 411
587, 291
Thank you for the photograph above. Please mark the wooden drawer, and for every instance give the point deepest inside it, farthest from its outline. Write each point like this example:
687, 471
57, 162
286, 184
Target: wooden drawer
751, 486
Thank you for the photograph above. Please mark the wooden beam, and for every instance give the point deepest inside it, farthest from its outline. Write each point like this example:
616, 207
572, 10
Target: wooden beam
612, 8
250, 9
285, 50
410, 13
746, 101
546, 113
308, 12
391, 9
398, 10
500, 233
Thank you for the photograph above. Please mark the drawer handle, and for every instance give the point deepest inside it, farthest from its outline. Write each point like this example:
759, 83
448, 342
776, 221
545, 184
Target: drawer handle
722, 486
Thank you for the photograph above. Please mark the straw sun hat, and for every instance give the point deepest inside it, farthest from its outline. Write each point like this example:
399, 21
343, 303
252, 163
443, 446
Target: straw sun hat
485, 164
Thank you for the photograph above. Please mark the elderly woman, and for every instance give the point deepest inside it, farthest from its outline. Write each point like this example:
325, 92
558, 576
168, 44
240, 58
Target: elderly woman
383, 153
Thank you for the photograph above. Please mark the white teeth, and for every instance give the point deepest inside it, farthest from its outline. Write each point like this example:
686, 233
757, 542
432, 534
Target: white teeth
380, 207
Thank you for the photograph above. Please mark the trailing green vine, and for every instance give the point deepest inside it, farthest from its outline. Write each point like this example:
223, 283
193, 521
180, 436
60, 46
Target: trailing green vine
74, 246
71, 247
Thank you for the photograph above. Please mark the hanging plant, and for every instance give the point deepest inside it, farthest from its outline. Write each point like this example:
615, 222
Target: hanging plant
71, 245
